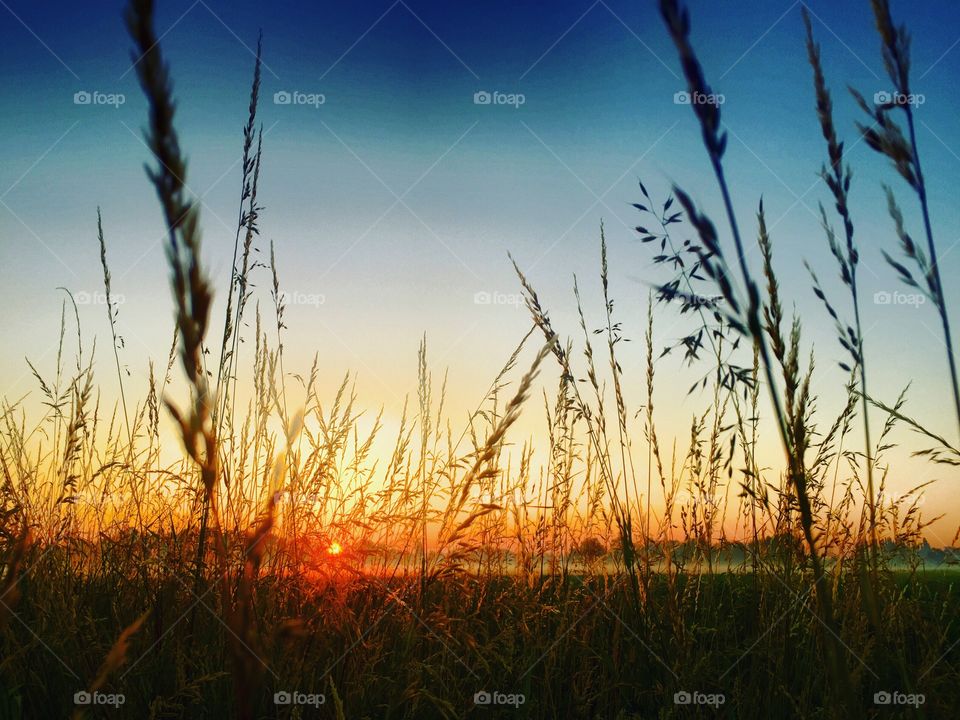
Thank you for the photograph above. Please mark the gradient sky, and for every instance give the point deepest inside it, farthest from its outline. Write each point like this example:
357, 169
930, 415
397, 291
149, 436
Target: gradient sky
398, 198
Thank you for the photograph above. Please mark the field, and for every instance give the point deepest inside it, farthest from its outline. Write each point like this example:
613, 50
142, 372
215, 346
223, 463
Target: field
574, 647
237, 544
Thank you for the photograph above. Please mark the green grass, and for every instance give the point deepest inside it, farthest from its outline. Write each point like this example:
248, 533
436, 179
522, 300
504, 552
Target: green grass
747, 637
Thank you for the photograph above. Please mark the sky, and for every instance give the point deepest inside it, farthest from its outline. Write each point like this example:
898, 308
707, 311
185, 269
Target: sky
393, 192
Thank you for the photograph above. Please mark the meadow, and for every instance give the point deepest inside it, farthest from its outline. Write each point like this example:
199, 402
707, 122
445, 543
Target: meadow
279, 567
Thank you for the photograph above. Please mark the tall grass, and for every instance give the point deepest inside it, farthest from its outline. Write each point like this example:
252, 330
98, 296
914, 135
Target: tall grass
283, 553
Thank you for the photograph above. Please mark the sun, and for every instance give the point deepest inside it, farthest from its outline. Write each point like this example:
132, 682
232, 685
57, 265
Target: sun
334, 549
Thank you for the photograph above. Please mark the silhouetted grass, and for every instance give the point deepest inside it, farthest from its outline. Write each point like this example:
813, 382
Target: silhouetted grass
279, 555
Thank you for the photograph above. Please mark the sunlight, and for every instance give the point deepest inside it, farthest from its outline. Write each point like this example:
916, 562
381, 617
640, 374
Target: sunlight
334, 549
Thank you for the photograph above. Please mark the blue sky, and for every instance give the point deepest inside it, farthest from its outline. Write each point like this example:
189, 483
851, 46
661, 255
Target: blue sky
397, 199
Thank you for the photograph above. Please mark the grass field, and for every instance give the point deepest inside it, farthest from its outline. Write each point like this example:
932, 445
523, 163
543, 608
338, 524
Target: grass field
571, 648
278, 568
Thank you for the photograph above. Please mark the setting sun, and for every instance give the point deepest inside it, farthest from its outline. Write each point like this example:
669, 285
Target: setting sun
334, 549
